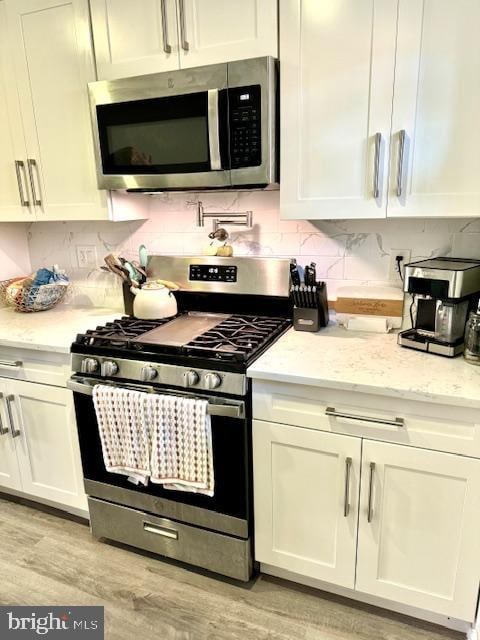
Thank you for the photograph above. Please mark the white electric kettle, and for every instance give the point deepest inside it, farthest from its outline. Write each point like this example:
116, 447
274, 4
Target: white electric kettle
153, 302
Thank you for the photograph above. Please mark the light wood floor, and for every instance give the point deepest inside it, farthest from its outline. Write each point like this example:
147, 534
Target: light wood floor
45, 559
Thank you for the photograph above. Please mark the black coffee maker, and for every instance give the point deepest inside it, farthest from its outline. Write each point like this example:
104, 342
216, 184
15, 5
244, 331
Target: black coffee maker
444, 291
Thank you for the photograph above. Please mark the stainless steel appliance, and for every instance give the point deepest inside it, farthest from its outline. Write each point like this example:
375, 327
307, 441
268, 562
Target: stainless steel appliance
227, 318
444, 290
207, 127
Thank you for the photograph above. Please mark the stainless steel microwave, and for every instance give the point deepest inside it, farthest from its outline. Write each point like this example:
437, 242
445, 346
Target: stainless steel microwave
201, 128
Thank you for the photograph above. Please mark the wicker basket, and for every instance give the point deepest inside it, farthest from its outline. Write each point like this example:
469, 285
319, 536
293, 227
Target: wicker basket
22, 296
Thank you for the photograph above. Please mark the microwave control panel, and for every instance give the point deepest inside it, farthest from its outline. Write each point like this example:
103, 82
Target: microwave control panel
245, 126
212, 273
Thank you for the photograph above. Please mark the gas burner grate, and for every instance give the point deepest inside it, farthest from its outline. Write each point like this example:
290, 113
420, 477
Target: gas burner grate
119, 333
237, 337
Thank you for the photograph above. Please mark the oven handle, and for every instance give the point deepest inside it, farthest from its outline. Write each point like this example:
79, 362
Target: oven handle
216, 406
213, 130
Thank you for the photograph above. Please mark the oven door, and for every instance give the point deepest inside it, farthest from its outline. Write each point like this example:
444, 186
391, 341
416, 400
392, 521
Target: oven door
162, 131
227, 511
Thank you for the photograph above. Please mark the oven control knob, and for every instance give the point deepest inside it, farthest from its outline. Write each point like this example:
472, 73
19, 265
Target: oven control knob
213, 380
89, 365
148, 373
109, 368
190, 378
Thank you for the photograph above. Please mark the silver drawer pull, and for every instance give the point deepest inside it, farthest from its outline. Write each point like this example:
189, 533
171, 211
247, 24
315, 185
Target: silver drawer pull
401, 152
15, 432
160, 531
166, 46
394, 422
376, 166
346, 503
19, 169
13, 364
183, 26
370, 493
32, 164
3, 430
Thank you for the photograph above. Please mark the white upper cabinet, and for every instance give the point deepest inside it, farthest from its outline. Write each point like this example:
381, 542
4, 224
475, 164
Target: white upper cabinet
151, 36
418, 540
51, 47
337, 69
338, 89
213, 31
14, 196
134, 38
436, 109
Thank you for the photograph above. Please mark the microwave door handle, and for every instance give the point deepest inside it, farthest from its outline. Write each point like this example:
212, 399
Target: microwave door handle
213, 130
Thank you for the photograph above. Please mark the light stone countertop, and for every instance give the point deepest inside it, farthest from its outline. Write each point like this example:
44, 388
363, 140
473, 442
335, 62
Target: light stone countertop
52, 330
368, 362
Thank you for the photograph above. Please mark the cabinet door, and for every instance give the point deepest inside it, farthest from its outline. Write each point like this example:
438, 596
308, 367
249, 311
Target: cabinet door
14, 197
134, 38
214, 31
50, 43
435, 110
306, 487
9, 472
336, 86
47, 448
420, 546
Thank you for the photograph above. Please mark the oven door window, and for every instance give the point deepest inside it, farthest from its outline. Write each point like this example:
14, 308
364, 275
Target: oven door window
230, 461
157, 135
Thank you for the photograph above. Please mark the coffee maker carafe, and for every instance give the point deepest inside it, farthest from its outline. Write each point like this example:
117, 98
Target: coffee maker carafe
443, 291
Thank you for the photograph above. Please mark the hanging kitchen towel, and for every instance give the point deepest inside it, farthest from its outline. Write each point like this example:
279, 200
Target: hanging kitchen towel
181, 443
123, 431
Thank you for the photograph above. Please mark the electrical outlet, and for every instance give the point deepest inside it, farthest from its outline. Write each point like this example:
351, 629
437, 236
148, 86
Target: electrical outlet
86, 256
393, 275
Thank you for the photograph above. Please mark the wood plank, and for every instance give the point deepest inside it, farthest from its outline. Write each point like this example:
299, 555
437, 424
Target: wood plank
53, 560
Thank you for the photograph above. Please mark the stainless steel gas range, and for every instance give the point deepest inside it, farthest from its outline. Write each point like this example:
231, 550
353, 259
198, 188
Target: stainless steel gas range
230, 311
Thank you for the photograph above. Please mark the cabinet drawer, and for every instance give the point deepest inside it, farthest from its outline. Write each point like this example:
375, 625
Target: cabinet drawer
419, 424
35, 366
213, 551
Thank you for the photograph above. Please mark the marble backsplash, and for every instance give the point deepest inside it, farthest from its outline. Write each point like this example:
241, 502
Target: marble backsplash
346, 252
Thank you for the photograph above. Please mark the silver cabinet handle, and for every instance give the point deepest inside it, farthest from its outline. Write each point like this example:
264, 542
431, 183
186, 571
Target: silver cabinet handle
3, 430
32, 163
13, 364
376, 166
15, 432
370, 493
19, 168
183, 26
166, 46
213, 133
165, 532
346, 502
401, 152
394, 422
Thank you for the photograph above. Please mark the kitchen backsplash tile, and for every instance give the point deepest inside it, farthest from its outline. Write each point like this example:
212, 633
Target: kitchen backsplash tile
346, 251
14, 253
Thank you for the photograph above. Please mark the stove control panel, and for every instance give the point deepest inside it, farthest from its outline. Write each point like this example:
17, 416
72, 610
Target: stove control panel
213, 273
158, 375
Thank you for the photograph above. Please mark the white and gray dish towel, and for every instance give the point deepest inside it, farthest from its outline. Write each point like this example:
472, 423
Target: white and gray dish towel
166, 439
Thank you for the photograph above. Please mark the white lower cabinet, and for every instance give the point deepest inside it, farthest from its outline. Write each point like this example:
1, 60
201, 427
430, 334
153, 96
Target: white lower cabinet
417, 514
306, 500
9, 471
419, 542
41, 452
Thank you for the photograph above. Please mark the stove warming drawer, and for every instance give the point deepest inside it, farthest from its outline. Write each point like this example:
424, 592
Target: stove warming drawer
213, 551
